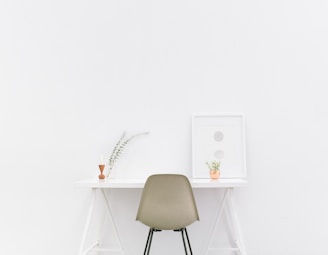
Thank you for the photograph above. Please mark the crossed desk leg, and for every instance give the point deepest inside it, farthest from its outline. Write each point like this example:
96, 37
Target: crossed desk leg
227, 203
95, 245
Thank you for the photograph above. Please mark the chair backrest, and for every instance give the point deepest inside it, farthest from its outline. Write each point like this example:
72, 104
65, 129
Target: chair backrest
167, 202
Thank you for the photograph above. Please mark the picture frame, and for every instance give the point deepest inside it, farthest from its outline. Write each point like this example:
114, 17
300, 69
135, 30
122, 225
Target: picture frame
218, 137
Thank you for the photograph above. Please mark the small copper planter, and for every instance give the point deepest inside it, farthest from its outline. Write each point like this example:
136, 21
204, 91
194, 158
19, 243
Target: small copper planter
215, 174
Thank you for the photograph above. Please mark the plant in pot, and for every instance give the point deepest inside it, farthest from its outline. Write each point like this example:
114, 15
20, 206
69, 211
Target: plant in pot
214, 167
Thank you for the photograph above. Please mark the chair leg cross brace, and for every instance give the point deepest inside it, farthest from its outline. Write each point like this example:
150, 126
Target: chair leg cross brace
184, 235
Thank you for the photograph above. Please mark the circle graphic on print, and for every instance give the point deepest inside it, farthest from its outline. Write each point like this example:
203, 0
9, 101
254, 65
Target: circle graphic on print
218, 136
219, 154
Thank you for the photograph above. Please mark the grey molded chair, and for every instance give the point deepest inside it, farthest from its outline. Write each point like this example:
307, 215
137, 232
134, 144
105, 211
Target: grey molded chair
167, 203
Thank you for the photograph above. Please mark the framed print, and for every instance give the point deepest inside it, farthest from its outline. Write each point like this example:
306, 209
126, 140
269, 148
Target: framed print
221, 138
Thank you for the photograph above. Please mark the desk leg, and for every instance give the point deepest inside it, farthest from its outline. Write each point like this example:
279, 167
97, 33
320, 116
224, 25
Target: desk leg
218, 217
235, 225
112, 220
87, 224
227, 201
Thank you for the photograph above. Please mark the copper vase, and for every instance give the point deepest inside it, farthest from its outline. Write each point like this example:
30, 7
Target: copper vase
101, 175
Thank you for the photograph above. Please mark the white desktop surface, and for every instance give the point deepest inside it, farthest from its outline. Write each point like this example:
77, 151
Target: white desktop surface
139, 183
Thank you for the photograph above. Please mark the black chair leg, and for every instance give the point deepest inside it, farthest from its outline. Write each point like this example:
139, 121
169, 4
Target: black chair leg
188, 241
149, 240
183, 234
184, 242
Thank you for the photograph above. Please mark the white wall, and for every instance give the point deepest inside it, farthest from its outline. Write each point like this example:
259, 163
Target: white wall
75, 74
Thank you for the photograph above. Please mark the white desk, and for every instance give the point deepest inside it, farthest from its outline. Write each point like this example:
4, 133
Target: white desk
227, 184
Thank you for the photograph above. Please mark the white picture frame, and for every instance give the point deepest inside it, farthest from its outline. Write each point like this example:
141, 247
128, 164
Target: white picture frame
219, 137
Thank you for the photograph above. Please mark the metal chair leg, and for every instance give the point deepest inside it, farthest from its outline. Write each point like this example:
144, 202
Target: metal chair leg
188, 241
184, 242
149, 240
146, 246
183, 234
